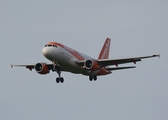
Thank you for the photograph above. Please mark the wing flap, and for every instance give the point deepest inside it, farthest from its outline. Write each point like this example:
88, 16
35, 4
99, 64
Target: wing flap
119, 68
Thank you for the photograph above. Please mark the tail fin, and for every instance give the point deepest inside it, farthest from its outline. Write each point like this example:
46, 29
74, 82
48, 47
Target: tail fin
104, 54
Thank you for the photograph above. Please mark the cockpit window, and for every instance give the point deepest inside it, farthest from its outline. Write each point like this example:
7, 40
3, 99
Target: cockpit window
54, 46
50, 45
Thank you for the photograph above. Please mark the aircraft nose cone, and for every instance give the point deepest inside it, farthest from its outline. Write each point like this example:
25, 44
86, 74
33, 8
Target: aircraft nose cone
46, 52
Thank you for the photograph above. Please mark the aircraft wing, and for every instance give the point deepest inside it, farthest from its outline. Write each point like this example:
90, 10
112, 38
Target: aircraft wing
28, 66
31, 66
116, 62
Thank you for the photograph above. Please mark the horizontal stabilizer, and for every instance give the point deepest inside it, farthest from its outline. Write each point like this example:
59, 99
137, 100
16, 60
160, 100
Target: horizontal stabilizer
119, 68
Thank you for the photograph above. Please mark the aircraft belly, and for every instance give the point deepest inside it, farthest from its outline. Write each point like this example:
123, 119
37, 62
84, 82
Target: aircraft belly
71, 66
74, 68
68, 63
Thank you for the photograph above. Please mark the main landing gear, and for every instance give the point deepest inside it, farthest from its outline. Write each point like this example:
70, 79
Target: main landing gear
57, 68
92, 77
59, 79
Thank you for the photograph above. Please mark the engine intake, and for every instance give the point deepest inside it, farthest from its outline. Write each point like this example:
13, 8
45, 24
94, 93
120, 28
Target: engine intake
91, 65
41, 68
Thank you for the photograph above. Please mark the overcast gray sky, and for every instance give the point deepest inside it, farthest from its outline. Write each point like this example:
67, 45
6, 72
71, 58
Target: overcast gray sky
136, 29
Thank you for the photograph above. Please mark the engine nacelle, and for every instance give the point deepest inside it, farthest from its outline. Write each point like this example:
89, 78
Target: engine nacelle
91, 65
41, 68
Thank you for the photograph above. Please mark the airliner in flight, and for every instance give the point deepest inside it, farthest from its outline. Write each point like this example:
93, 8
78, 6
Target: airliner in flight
66, 59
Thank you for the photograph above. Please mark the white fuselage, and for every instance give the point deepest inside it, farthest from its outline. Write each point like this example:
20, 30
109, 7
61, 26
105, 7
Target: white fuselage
65, 59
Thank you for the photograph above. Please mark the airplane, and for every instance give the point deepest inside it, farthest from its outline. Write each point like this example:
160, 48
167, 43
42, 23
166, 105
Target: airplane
66, 59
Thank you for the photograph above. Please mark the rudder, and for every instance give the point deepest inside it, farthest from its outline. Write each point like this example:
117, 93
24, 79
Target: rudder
104, 54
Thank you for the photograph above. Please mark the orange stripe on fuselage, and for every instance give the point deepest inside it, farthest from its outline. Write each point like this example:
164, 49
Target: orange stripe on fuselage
72, 51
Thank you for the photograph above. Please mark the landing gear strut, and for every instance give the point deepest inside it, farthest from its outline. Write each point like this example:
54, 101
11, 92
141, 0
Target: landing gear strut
56, 68
59, 79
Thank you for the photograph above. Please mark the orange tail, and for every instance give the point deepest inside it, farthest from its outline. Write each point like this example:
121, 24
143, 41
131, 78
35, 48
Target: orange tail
104, 54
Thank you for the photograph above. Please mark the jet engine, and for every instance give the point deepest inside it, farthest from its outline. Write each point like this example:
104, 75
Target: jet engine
41, 68
91, 65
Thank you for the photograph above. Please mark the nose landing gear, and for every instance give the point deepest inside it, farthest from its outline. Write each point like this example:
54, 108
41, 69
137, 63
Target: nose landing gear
58, 70
59, 79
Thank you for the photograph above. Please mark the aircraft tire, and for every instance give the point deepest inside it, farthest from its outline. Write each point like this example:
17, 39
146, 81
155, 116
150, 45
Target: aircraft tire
95, 77
90, 78
61, 79
57, 80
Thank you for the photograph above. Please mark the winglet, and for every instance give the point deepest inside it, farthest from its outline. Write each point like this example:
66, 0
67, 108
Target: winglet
156, 55
11, 65
159, 55
104, 54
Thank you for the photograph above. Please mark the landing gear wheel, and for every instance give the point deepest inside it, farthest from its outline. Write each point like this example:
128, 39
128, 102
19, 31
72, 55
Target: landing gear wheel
57, 80
90, 78
95, 77
61, 79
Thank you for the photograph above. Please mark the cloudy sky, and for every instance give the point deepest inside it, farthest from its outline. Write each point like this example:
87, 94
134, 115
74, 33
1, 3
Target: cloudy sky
136, 29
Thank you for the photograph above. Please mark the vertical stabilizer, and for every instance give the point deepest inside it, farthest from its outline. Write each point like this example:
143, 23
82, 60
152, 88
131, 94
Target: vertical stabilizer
104, 54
